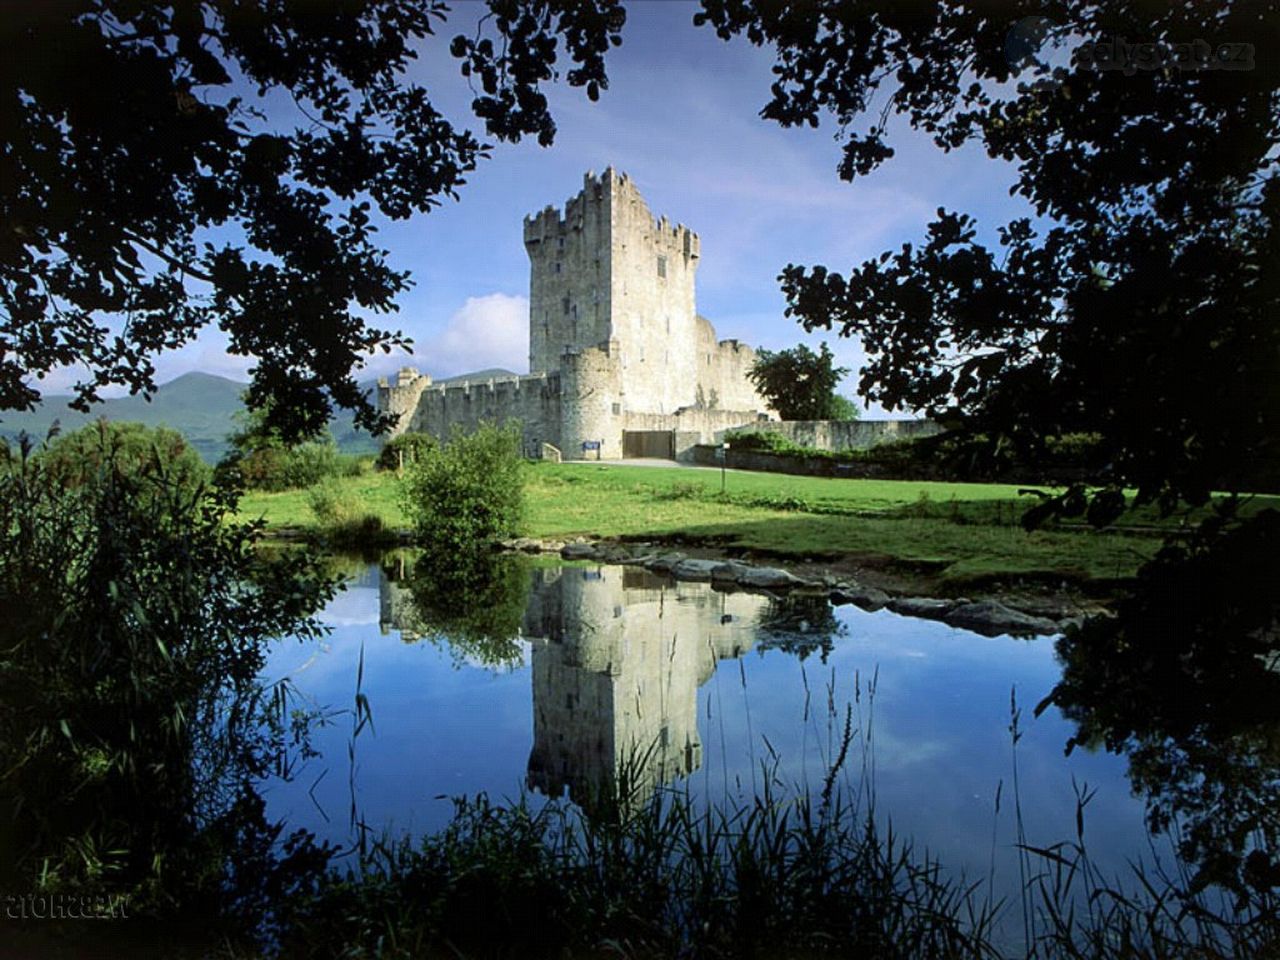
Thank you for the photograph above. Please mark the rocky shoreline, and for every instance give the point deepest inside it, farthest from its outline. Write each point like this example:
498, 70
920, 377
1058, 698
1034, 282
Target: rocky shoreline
989, 615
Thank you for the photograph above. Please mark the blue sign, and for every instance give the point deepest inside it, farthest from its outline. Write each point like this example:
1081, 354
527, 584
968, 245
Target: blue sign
590, 444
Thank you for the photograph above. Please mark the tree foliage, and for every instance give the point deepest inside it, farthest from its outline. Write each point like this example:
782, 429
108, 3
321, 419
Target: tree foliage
134, 620
1139, 303
260, 458
152, 183
844, 409
78, 458
404, 449
800, 384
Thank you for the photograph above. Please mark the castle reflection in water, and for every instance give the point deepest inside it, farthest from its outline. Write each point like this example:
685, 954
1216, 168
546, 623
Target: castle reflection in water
618, 655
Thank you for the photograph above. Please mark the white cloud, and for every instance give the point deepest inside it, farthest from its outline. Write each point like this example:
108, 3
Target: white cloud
487, 331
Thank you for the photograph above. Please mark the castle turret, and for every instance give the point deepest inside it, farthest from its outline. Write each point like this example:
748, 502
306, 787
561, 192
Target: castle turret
401, 400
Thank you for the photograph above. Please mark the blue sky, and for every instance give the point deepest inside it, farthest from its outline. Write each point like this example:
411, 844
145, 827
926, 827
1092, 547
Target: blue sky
681, 116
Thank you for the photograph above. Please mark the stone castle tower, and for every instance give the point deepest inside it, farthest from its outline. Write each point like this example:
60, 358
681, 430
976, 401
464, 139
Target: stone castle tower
607, 273
620, 361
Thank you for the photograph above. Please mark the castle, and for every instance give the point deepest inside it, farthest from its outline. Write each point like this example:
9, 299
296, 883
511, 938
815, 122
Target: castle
620, 362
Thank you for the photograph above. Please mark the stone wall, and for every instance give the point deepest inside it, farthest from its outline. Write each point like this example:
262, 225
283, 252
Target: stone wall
534, 401
570, 275
652, 302
400, 399
836, 435
693, 425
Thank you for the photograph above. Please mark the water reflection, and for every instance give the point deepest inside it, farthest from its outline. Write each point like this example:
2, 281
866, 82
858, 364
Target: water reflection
603, 659
1185, 682
618, 655
473, 603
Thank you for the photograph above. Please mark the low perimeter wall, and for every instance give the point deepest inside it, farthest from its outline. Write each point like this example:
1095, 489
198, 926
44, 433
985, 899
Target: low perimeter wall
709, 456
834, 435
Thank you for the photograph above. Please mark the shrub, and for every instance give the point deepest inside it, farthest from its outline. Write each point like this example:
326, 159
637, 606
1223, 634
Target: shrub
412, 446
261, 460
764, 441
340, 515
468, 492
275, 467
76, 459
767, 441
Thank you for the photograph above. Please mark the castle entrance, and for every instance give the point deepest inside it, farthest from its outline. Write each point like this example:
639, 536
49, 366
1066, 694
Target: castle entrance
657, 444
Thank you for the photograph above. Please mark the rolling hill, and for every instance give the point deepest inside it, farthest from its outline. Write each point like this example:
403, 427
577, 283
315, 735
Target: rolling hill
200, 406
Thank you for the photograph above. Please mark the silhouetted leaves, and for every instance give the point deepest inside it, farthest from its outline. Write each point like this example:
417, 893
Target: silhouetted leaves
167, 168
1141, 303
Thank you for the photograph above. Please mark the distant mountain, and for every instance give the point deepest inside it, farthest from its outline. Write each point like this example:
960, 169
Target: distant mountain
489, 373
200, 406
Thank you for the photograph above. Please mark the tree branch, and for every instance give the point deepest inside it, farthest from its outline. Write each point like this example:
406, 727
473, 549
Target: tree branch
166, 257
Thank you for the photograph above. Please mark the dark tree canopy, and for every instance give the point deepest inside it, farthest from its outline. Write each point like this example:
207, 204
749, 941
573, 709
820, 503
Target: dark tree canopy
800, 384
131, 132
1141, 302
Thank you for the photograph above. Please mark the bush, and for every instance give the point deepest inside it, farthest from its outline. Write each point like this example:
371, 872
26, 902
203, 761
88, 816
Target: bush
76, 459
261, 460
340, 515
412, 446
767, 441
468, 492
275, 468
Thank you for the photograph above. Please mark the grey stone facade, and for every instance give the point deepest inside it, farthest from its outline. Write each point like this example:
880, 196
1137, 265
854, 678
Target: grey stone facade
616, 346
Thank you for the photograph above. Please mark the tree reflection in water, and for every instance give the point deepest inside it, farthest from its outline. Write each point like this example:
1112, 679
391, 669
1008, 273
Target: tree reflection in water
801, 624
472, 602
1186, 681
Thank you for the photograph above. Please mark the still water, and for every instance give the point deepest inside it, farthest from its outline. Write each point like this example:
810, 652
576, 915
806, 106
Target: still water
598, 663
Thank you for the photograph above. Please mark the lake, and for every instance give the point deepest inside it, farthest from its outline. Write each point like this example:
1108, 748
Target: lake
594, 664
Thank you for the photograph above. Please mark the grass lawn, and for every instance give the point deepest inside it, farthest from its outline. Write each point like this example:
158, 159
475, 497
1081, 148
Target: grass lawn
958, 532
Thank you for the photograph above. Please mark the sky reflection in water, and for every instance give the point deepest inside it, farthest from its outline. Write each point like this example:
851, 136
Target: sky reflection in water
614, 656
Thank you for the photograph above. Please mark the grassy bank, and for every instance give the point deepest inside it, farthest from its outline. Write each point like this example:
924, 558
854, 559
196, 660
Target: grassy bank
955, 532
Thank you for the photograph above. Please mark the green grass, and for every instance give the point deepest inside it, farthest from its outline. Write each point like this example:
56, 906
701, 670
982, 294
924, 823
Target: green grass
958, 532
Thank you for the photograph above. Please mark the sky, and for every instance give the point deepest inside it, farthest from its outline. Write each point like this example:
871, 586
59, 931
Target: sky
681, 116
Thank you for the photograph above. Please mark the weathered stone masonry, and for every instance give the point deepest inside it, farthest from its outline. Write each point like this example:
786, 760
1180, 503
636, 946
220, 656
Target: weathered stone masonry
617, 352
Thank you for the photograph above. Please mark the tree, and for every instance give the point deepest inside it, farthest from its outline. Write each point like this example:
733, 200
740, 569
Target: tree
149, 187
1140, 303
76, 459
844, 409
798, 383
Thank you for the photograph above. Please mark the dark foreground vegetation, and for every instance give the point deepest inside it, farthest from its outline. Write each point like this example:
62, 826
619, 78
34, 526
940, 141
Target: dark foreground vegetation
1139, 306
138, 735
